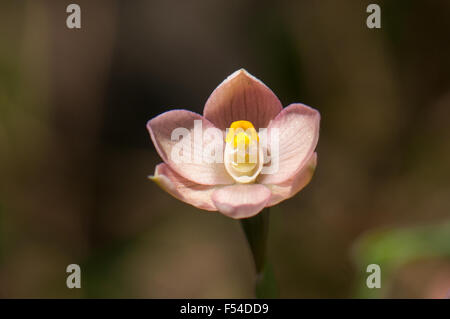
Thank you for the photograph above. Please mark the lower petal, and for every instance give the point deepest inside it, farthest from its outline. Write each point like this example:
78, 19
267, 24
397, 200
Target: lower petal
241, 201
292, 186
185, 190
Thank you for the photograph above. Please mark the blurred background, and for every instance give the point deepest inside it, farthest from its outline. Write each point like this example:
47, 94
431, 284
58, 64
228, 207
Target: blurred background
75, 153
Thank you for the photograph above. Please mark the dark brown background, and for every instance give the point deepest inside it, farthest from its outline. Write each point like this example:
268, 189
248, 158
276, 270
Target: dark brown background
74, 151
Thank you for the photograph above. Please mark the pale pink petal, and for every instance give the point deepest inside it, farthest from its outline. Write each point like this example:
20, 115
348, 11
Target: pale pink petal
298, 128
242, 97
293, 185
241, 200
200, 172
189, 192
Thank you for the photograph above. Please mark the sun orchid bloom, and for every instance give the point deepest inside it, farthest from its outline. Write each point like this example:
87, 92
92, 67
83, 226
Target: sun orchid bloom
237, 184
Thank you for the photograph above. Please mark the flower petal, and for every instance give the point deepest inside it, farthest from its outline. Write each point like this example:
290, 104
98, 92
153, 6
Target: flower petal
200, 172
242, 97
185, 190
241, 201
292, 186
298, 129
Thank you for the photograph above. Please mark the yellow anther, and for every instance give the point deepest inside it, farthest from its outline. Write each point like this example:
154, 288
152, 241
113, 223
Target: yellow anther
243, 156
241, 132
241, 139
242, 124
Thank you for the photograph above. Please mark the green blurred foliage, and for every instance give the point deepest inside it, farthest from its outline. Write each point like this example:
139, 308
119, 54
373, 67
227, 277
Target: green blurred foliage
393, 248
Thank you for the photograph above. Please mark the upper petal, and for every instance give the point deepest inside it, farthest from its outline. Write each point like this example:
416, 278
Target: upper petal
298, 132
241, 200
293, 185
161, 128
189, 192
242, 97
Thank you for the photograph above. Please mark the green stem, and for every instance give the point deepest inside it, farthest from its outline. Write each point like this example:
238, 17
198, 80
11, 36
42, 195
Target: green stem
256, 230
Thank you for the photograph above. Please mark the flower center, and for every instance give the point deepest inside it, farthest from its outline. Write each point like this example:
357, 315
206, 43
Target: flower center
243, 156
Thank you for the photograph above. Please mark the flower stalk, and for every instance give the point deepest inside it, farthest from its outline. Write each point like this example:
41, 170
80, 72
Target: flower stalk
256, 231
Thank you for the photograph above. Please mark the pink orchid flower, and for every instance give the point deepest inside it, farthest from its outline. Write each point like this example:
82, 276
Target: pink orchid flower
239, 189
